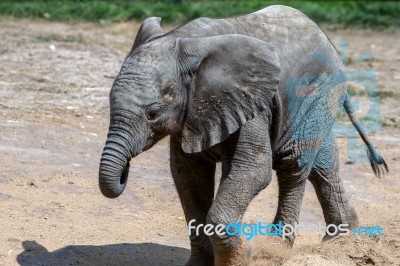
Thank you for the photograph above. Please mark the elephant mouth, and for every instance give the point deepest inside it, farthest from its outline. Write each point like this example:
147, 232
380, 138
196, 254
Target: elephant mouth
151, 141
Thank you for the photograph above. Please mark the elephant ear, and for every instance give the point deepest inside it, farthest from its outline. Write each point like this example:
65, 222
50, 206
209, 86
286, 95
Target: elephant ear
149, 30
230, 79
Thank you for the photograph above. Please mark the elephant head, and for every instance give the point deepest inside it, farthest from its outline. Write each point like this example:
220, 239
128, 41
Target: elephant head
202, 89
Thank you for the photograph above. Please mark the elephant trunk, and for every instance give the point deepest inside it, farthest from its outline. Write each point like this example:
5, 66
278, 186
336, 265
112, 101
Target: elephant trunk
120, 147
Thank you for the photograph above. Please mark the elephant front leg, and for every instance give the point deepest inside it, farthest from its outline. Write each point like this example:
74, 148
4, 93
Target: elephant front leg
246, 170
193, 175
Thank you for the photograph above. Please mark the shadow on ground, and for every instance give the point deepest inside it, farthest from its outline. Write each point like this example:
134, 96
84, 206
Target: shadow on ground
118, 254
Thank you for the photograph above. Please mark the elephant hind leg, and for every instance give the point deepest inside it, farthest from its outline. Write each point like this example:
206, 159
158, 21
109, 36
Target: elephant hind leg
331, 194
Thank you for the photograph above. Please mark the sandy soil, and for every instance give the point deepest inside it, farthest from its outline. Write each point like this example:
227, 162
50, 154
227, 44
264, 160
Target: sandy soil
54, 85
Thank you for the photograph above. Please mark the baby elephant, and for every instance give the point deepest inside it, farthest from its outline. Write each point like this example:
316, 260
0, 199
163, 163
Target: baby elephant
258, 92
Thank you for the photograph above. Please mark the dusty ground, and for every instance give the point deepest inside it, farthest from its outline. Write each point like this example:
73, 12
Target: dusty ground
54, 84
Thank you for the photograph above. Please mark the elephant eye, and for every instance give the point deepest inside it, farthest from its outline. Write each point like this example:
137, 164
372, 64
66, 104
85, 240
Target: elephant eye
151, 115
153, 112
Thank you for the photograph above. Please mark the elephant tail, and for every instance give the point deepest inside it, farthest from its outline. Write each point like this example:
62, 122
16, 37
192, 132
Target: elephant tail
378, 164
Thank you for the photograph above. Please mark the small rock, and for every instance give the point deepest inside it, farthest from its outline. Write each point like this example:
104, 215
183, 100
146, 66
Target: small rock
32, 184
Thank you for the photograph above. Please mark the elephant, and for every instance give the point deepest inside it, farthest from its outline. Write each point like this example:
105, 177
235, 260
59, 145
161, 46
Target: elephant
257, 93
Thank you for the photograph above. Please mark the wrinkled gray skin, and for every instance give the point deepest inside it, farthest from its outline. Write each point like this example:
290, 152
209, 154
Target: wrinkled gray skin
219, 88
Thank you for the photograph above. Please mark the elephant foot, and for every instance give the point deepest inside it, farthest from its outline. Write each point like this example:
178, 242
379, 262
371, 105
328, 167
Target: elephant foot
328, 237
206, 260
289, 237
241, 255
288, 241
